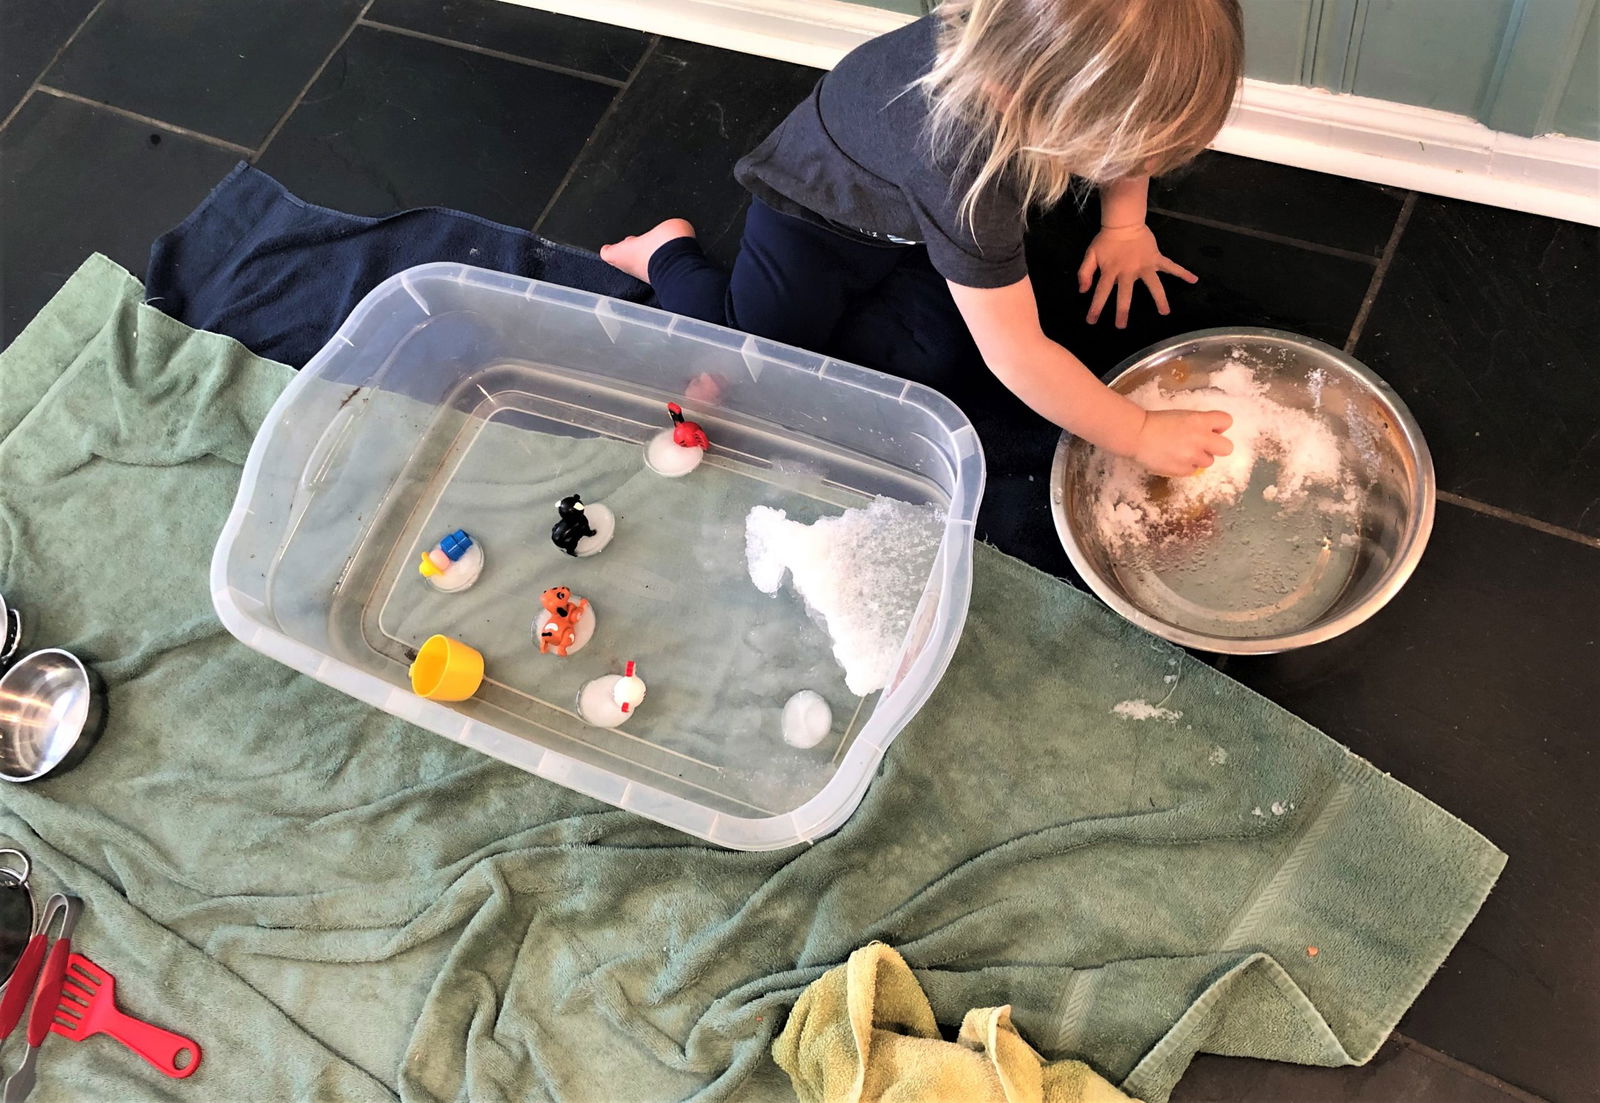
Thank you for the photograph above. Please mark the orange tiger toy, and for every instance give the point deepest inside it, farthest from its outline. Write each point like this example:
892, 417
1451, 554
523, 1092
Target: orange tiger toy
562, 627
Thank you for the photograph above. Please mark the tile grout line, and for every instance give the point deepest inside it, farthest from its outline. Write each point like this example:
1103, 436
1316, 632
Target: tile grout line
1389, 248
1518, 519
1266, 235
148, 120
1471, 1072
316, 76
51, 64
600, 124
486, 52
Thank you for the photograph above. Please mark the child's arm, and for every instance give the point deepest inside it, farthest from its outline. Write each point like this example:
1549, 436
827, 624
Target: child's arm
1125, 252
1005, 324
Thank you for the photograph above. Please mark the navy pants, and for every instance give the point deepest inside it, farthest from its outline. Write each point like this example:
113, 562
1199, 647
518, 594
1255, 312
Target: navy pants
279, 275
882, 306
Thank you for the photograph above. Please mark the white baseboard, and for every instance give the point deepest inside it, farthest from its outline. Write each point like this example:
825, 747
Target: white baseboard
807, 32
1387, 143
1414, 147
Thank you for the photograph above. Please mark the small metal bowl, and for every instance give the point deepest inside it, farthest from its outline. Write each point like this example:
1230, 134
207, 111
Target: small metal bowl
52, 708
1390, 532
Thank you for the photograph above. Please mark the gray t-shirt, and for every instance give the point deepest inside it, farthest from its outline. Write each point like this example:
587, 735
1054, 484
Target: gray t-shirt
855, 157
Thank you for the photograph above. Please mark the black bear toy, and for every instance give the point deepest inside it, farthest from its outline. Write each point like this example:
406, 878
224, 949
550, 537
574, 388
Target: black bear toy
573, 525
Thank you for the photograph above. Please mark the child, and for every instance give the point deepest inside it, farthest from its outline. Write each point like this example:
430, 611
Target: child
930, 144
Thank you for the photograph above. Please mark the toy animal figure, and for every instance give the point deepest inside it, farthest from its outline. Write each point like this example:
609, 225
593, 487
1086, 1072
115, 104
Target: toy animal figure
562, 628
573, 525
686, 434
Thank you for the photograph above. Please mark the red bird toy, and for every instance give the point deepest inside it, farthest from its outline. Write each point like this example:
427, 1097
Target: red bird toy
686, 434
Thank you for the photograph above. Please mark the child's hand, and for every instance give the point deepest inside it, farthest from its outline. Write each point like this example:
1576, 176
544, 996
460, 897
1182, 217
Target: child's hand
1125, 255
1182, 442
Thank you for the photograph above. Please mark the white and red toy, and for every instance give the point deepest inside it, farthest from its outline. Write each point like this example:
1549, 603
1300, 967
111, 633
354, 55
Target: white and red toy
676, 451
609, 700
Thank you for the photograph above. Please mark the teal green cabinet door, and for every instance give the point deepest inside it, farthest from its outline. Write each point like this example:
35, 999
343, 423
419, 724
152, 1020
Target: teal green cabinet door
1280, 35
1524, 66
1576, 114
1433, 53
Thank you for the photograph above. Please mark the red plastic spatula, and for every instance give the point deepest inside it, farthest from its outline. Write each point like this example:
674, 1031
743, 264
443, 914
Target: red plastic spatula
88, 1006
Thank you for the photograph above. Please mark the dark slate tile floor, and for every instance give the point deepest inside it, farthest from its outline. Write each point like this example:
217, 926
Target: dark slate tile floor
225, 70
1308, 207
31, 34
688, 108
1479, 685
1488, 324
396, 122
556, 40
1400, 1072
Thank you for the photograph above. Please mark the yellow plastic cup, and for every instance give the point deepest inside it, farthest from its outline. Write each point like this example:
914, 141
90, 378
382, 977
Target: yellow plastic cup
446, 670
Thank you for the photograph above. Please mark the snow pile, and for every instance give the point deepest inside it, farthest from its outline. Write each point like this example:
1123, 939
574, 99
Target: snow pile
860, 574
1134, 508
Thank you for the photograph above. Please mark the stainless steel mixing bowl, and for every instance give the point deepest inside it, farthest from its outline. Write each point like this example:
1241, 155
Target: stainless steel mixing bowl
1396, 471
52, 708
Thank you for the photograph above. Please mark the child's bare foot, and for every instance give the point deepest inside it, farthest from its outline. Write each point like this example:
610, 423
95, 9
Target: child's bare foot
632, 254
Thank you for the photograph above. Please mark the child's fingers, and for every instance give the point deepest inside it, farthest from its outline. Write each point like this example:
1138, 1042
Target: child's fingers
1176, 269
1157, 292
1124, 300
1102, 292
1086, 271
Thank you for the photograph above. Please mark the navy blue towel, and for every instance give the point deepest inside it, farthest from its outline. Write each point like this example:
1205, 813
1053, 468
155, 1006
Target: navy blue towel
279, 274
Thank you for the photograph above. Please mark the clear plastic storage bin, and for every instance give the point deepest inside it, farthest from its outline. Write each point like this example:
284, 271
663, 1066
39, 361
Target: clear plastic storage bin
460, 398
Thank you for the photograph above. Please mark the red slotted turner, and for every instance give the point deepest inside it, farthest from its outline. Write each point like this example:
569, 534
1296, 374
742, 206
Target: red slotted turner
88, 1006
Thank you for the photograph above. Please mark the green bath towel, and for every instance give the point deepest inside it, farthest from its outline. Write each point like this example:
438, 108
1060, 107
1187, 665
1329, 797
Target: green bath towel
339, 906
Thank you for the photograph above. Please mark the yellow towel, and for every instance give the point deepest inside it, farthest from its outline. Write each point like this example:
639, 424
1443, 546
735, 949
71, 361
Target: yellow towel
863, 1032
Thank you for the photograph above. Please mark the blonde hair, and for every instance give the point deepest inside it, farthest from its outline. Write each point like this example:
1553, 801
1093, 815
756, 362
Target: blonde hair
1099, 90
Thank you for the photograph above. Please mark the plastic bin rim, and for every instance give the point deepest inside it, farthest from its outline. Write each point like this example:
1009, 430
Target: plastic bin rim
933, 402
